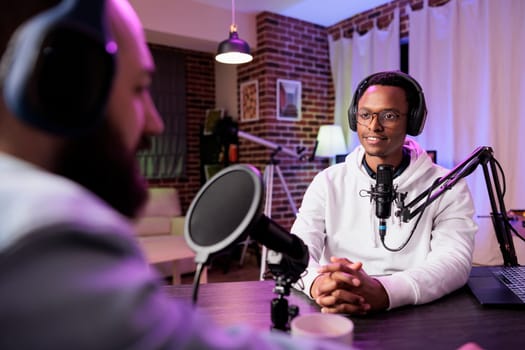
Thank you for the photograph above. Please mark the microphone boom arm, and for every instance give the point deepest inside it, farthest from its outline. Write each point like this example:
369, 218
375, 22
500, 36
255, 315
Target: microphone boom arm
483, 156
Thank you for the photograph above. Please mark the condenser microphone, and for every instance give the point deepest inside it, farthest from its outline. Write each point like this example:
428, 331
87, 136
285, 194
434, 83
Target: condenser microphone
383, 195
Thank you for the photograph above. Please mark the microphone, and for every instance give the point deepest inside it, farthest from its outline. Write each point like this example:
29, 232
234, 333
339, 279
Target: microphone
383, 195
294, 256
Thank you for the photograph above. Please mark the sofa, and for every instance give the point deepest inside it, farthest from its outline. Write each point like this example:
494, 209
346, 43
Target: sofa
162, 214
160, 218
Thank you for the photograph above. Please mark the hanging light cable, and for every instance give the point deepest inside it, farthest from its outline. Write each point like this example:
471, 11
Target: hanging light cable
233, 50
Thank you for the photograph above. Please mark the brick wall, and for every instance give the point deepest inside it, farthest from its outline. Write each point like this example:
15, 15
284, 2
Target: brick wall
295, 50
288, 49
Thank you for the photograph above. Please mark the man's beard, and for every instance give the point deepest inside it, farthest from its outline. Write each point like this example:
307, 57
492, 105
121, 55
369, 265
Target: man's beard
100, 162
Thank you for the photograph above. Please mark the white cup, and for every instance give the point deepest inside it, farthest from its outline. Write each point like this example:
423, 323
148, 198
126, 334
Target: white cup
324, 327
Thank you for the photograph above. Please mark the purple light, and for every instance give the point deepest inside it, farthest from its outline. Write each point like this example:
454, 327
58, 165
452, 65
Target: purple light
111, 47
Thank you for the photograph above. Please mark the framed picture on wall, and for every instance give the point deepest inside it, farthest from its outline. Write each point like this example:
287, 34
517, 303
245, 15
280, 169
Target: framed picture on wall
288, 100
249, 100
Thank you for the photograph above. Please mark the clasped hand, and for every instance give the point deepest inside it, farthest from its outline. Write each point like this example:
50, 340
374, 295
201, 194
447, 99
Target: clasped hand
344, 287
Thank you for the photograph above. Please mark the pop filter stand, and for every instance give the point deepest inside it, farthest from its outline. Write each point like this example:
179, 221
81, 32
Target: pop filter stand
269, 172
483, 156
209, 230
281, 312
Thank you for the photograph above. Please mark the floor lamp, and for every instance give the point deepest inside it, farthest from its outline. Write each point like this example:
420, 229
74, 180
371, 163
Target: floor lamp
271, 169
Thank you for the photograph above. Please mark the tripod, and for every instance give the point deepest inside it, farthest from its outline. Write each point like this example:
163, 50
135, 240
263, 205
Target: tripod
269, 171
268, 175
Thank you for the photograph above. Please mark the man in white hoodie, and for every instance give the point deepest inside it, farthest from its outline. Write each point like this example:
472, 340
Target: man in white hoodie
353, 267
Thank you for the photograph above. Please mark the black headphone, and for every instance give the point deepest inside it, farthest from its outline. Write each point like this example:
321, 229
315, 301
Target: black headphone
58, 68
416, 115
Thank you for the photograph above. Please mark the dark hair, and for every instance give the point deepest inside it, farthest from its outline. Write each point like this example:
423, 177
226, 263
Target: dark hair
417, 109
392, 79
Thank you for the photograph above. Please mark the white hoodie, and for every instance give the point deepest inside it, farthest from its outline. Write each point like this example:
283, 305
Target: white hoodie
335, 219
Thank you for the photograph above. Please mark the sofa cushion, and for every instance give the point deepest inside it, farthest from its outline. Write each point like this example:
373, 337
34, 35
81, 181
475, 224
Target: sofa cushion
153, 226
163, 201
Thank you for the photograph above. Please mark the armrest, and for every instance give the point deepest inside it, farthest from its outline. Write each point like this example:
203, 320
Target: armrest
153, 226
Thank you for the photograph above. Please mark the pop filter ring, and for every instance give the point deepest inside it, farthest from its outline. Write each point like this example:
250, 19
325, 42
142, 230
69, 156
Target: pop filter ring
202, 210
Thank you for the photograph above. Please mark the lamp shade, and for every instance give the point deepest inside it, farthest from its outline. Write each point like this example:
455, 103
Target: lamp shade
330, 141
233, 50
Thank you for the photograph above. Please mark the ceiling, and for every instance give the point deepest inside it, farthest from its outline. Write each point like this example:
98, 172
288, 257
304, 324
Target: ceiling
322, 12
201, 24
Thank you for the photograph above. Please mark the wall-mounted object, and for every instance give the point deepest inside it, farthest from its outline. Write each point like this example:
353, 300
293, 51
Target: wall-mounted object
288, 100
249, 100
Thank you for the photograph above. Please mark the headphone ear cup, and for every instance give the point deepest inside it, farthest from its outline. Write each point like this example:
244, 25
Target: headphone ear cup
58, 69
418, 115
352, 112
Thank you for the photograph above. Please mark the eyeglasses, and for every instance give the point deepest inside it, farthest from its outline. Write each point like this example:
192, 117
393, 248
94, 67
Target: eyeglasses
386, 118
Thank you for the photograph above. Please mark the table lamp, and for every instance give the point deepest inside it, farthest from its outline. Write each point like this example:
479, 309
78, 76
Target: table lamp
330, 142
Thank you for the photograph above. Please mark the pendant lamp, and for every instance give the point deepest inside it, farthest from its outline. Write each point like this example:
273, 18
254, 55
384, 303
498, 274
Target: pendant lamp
233, 50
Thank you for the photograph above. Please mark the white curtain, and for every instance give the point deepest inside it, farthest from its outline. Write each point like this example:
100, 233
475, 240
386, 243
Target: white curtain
469, 57
353, 59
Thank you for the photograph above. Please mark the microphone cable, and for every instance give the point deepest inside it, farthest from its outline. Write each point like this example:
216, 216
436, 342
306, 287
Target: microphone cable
503, 192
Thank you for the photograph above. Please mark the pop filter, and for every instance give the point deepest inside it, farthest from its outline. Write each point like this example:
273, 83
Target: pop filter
227, 209
224, 210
